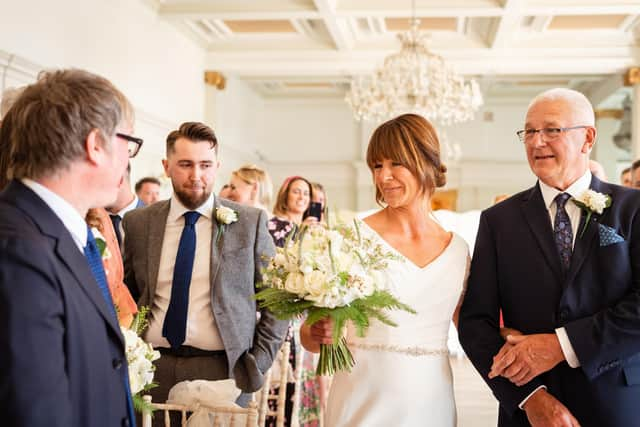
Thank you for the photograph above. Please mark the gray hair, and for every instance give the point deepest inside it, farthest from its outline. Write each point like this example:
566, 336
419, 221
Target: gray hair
582, 106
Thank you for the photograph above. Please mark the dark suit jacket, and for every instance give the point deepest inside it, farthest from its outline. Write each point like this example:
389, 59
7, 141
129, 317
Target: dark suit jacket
237, 258
62, 361
516, 268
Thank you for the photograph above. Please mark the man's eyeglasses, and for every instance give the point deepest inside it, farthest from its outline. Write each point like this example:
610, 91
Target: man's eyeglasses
550, 134
133, 143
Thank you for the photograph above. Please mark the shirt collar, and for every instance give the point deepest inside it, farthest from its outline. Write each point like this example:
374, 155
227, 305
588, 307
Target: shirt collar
177, 209
575, 190
70, 217
131, 206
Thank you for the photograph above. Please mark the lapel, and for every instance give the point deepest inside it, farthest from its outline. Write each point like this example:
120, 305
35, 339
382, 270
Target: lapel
537, 217
156, 224
66, 249
216, 243
583, 244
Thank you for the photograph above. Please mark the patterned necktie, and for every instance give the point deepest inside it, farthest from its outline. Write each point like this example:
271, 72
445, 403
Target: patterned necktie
94, 259
116, 220
562, 230
175, 322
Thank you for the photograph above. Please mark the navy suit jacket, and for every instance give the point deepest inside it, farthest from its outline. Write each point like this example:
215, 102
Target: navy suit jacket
62, 361
516, 268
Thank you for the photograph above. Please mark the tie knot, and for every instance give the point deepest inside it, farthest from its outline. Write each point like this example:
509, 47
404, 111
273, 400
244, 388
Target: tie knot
115, 218
561, 199
191, 217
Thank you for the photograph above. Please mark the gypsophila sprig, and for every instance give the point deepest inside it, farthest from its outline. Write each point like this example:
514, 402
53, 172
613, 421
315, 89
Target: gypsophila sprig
331, 272
592, 202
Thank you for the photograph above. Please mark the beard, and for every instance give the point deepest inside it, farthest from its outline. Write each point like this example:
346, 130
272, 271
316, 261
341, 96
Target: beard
192, 201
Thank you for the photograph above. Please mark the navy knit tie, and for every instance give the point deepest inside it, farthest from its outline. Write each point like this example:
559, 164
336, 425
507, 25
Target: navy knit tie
562, 230
175, 322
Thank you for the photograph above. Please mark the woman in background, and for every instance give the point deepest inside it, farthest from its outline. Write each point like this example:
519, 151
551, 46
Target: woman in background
251, 186
125, 305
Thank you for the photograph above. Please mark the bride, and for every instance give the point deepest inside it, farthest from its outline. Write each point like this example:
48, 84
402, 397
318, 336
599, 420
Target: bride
402, 375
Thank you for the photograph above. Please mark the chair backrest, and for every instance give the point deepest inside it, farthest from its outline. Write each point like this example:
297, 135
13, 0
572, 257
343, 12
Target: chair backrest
266, 393
221, 416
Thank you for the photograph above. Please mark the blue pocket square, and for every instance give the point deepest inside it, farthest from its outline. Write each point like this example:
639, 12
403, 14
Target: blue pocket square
608, 235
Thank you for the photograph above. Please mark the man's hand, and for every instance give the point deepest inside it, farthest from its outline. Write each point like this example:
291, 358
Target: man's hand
528, 357
544, 410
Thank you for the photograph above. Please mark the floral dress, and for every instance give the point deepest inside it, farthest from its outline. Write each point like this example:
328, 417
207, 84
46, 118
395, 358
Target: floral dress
309, 414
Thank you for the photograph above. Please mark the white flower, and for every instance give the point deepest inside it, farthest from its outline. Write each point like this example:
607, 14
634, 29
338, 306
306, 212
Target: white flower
140, 356
594, 201
295, 283
225, 215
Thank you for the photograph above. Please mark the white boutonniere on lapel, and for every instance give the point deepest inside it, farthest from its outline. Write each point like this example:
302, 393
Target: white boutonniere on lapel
101, 243
224, 217
592, 202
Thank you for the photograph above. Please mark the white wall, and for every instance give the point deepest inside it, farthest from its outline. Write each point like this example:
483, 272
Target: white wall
159, 70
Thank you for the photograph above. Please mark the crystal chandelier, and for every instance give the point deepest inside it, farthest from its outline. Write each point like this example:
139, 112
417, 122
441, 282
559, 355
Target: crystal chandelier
414, 80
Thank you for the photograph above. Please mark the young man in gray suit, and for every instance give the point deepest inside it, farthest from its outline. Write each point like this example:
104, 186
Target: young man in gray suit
196, 266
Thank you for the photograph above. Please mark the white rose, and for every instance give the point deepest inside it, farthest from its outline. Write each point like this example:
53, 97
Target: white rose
226, 215
280, 259
315, 282
295, 283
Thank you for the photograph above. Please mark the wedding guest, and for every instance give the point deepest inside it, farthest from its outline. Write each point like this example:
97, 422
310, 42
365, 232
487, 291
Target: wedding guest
63, 362
251, 186
625, 177
195, 260
566, 280
224, 191
126, 202
635, 174
292, 201
126, 308
402, 374
148, 190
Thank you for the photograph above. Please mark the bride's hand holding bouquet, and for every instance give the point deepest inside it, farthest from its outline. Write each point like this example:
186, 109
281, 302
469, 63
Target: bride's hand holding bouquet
331, 273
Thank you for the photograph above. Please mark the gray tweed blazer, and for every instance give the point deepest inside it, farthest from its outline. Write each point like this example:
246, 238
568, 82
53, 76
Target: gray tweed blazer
236, 260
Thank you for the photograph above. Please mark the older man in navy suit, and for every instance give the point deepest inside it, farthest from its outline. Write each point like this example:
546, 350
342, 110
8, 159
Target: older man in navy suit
62, 361
563, 266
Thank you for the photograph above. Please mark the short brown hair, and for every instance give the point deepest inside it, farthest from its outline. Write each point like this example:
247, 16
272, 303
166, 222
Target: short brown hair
53, 117
280, 208
193, 131
412, 141
147, 180
252, 174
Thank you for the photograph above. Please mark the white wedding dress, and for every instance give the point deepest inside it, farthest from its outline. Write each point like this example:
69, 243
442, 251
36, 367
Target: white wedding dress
402, 376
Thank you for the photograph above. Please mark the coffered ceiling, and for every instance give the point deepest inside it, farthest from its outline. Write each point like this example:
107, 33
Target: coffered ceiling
314, 47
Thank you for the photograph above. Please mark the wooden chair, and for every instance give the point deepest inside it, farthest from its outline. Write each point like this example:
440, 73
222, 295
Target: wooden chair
265, 394
223, 416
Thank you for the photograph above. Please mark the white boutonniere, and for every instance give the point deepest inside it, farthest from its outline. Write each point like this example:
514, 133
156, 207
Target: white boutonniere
592, 202
224, 217
101, 243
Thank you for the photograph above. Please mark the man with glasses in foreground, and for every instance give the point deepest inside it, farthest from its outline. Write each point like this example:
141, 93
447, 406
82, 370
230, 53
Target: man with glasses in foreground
564, 270
62, 361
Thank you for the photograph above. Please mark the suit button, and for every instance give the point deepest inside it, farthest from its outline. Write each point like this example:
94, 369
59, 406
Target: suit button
117, 363
125, 422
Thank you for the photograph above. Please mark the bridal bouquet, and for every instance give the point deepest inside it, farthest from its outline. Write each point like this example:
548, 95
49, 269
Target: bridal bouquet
140, 357
330, 272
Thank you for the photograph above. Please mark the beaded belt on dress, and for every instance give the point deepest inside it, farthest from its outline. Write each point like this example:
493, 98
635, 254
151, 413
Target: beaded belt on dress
411, 351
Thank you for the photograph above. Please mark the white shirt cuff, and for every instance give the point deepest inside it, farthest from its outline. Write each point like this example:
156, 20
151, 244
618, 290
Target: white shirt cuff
567, 348
521, 405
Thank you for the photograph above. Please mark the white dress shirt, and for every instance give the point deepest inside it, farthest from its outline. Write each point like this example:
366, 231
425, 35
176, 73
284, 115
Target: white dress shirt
202, 330
70, 217
574, 212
